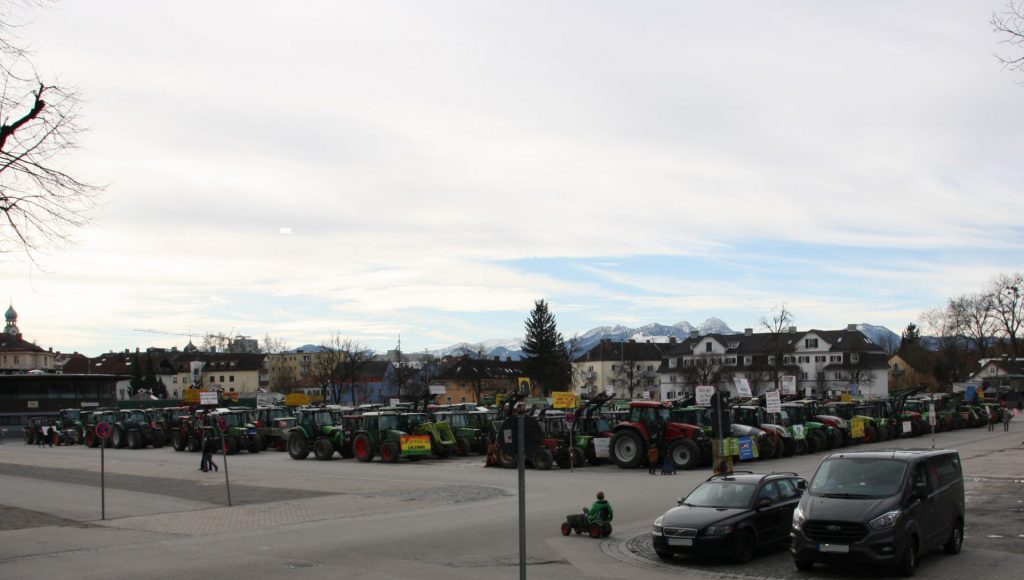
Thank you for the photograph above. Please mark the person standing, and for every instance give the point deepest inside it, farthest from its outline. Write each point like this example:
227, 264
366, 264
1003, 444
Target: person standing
992, 417
208, 448
1007, 415
652, 459
42, 434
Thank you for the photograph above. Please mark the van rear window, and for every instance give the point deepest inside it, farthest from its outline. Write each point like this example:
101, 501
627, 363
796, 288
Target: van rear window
858, 478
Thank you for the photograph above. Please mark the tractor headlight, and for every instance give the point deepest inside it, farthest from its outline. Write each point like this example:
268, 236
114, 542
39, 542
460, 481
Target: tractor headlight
657, 529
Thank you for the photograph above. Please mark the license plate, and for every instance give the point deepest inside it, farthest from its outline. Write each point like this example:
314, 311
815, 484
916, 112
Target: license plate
837, 548
252, 431
680, 542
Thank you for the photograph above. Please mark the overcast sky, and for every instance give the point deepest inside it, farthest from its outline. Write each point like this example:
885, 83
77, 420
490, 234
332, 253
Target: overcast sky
441, 165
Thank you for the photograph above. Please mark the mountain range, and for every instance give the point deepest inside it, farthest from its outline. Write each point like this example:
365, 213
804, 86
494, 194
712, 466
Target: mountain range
654, 332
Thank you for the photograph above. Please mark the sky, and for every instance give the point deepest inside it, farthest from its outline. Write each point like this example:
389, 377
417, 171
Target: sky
425, 171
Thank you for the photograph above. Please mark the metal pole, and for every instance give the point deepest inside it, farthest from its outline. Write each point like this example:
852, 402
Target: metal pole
521, 460
103, 483
227, 480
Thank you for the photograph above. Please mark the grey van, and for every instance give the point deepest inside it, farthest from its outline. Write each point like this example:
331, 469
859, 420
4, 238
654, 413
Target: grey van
880, 507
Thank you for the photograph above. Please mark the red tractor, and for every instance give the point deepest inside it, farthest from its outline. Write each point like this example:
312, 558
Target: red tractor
649, 424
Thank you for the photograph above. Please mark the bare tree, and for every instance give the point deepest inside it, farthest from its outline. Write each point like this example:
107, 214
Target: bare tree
354, 356
705, 369
41, 203
282, 376
973, 316
942, 323
1009, 24
626, 374
323, 367
777, 326
1008, 307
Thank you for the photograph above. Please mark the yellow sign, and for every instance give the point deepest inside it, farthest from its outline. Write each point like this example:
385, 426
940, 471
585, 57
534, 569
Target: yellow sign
524, 385
499, 398
563, 400
845, 397
296, 400
415, 444
856, 428
191, 396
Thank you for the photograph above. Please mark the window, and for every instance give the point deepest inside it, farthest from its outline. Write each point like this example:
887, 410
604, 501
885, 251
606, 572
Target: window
771, 361
819, 358
174, 380
788, 359
787, 489
854, 357
707, 348
730, 360
231, 378
222, 378
673, 362
803, 375
650, 368
748, 360
803, 359
836, 358
615, 368
810, 343
672, 378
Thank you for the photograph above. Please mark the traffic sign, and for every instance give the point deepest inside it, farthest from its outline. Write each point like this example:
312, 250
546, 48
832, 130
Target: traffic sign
569, 418
222, 424
103, 429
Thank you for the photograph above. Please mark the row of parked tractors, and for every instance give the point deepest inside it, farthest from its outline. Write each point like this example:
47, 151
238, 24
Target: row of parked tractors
593, 433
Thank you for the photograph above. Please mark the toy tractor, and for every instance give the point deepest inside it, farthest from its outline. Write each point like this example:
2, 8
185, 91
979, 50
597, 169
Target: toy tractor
579, 523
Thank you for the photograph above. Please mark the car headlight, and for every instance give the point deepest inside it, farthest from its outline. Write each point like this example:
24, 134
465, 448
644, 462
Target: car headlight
886, 520
656, 530
798, 518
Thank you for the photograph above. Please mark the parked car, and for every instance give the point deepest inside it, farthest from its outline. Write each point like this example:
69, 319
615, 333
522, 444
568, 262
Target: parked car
881, 507
730, 514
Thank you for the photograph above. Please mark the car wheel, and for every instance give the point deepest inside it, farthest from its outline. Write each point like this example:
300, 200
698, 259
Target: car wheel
566, 529
908, 564
745, 547
803, 565
956, 539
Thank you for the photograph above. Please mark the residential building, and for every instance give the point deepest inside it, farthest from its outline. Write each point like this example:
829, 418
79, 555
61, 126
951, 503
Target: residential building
468, 380
18, 355
629, 368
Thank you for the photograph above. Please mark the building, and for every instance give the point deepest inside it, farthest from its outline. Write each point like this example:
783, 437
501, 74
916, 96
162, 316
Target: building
820, 361
468, 380
18, 355
629, 368
243, 374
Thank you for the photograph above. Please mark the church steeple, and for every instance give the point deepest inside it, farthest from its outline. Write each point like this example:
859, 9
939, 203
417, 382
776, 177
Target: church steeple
12, 322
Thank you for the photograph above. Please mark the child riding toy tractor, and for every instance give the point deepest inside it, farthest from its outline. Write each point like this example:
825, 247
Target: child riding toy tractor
596, 520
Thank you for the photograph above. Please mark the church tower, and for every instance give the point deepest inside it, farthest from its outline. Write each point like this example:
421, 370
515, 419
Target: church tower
12, 322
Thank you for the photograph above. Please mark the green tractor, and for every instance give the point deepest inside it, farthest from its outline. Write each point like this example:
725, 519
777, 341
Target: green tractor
818, 435
69, 422
863, 428
442, 440
315, 430
240, 433
588, 424
135, 429
471, 428
879, 411
385, 432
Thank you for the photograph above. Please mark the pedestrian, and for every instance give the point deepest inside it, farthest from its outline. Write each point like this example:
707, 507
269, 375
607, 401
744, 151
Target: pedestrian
54, 433
1007, 415
992, 418
41, 434
652, 459
207, 462
669, 468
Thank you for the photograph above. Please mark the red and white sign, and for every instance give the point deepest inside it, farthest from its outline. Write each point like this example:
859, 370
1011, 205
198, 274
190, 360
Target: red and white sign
103, 429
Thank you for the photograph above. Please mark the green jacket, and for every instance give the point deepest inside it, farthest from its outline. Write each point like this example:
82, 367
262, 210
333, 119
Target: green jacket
600, 511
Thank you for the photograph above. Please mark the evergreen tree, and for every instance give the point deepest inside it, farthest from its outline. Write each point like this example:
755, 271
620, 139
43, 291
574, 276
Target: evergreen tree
154, 384
137, 381
911, 335
546, 359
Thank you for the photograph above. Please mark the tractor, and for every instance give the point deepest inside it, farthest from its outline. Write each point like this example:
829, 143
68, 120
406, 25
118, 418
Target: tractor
315, 430
782, 442
442, 440
385, 433
69, 424
649, 423
136, 430
588, 424
818, 435
90, 420
866, 432
505, 434
272, 425
471, 428
240, 433
187, 431
840, 428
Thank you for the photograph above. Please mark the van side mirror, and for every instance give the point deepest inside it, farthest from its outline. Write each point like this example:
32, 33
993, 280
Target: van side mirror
921, 490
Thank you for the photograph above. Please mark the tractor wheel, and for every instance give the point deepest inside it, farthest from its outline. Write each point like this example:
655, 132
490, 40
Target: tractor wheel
363, 448
194, 445
159, 438
440, 451
563, 459
577, 457
231, 445
800, 447
870, 434
838, 440
606, 530
255, 444
323, 450
542, 459
627, 449
298, 445
346, 451
815, 441
389, 452
91, 440
566, 529
788, 447
462, 446
178, 441
780, 448
78, 436
765, 449
118, 438
684, 453
594, 530
507, 457
135, 440
280, 444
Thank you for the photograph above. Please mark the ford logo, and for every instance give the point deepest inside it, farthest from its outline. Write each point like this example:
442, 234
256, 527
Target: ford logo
833, 529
